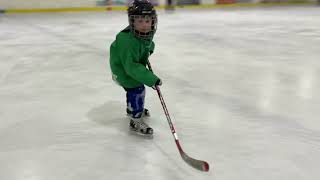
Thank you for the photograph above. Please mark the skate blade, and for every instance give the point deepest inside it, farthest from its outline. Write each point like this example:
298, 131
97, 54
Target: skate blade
135, 132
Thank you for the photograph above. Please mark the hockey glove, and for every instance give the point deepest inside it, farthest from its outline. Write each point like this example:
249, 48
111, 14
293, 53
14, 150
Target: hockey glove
158, 83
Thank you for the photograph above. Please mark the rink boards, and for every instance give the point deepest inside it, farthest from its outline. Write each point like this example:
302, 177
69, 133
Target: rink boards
34, 6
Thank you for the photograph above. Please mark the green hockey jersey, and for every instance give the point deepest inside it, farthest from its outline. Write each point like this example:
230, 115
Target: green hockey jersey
128, 60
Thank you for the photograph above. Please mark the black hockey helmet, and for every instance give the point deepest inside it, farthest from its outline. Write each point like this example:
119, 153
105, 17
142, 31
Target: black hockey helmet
142, 9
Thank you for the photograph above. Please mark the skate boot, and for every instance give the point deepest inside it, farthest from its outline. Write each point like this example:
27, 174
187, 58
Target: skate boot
145, 113
137, 125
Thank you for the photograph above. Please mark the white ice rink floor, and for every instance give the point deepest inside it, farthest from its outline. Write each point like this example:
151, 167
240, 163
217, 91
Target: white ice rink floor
242, 87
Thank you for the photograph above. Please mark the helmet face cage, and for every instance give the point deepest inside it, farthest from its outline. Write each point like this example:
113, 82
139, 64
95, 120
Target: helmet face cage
142, 12
143, 35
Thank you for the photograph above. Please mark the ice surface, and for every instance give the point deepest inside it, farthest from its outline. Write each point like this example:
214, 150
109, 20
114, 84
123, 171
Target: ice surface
242, 87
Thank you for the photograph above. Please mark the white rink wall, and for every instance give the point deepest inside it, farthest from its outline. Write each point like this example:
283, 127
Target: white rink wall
39, 4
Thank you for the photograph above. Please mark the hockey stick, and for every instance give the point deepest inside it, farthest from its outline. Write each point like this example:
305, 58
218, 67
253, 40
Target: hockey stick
197, 164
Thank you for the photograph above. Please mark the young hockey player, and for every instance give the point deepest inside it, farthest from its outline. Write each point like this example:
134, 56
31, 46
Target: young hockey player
128, 59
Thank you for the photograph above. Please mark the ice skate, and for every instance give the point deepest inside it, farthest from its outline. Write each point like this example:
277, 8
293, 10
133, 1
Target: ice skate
138, 126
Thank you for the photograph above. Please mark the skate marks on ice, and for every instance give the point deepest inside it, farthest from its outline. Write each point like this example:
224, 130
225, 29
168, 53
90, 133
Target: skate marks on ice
113, 120
111, 115
287, 128
176, 162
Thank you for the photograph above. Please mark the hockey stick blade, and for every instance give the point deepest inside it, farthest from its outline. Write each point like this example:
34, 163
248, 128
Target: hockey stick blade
197, 164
